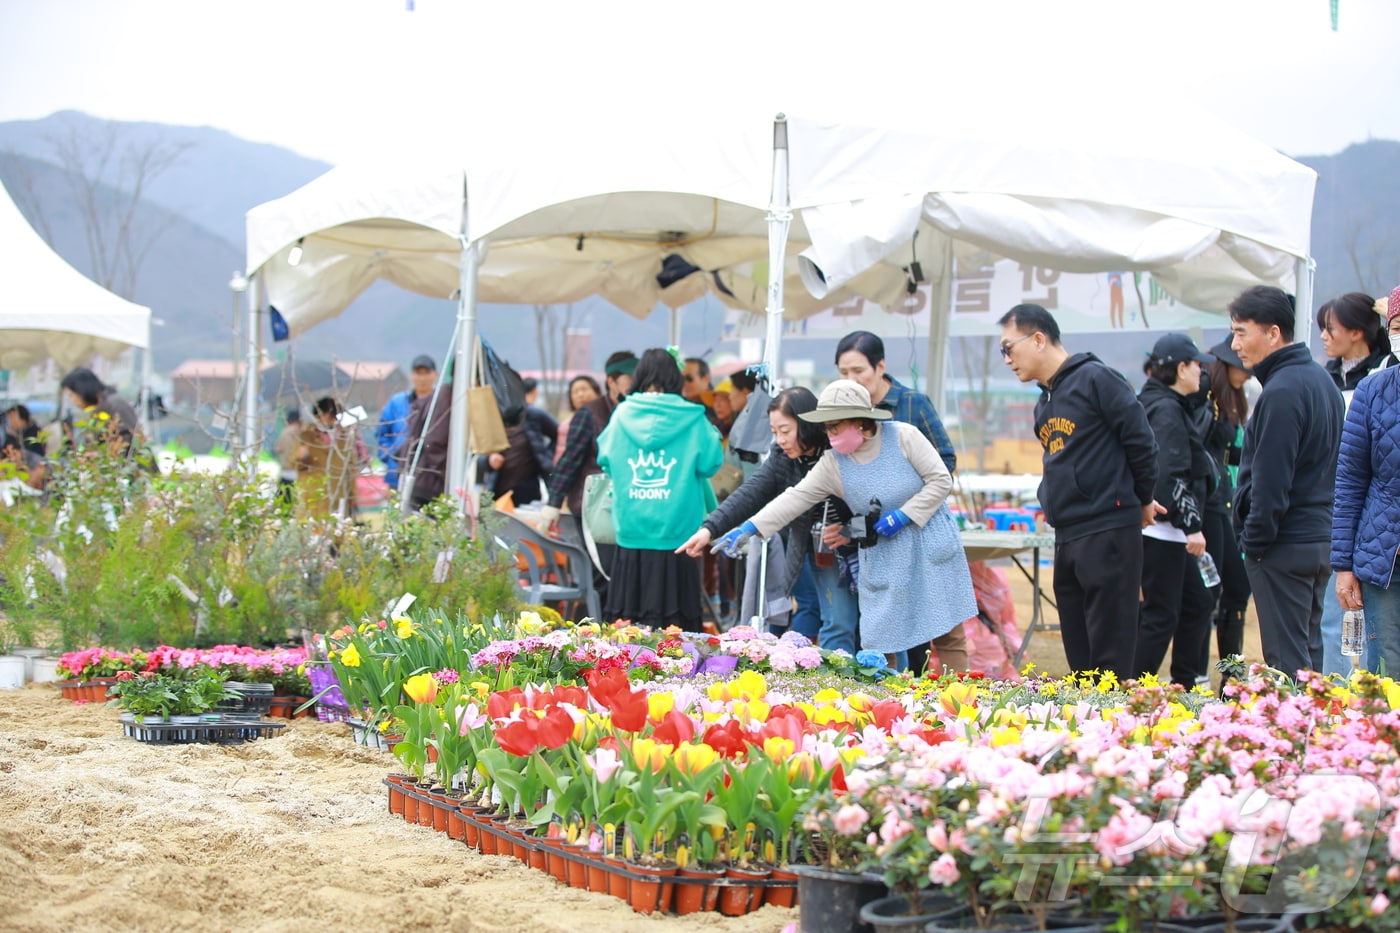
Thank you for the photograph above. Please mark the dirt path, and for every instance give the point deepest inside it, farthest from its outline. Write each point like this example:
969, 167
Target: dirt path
99, 832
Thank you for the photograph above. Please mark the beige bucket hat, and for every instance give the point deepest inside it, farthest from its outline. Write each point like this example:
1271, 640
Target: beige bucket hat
843, 400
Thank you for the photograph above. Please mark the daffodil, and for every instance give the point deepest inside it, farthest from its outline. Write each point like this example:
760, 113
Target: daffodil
404, 627
350, 657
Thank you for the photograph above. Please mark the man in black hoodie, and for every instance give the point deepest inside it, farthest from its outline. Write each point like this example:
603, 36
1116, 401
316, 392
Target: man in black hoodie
1100, 467
1288, 470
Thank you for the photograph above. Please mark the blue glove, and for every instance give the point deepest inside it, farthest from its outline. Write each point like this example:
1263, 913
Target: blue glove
891, 522
732, 543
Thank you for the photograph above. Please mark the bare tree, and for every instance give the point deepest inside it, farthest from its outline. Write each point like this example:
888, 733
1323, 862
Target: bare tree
24, 191
552, 324
109, 170
1370, 247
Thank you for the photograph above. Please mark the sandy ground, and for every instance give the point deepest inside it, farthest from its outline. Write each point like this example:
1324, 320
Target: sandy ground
99, 832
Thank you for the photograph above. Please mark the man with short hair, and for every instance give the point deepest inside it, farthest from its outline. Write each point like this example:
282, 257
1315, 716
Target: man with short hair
1099, 470
391, 431
1288, 471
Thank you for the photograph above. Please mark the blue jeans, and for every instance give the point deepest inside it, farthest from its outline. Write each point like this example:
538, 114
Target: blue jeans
1382, 627
807, 620
839, 608
1333, 661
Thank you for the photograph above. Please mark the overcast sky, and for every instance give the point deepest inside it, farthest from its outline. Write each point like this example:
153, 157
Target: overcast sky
336, 79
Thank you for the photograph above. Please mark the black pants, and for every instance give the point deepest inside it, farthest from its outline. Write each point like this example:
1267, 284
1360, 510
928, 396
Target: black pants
1233, 597
1176, 610
1096, 587
1287, 584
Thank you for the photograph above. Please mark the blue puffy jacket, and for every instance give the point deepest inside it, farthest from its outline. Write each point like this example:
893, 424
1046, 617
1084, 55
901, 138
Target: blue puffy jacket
1366, 510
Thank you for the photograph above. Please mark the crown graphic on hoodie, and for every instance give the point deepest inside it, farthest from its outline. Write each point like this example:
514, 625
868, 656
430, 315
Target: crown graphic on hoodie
649, 471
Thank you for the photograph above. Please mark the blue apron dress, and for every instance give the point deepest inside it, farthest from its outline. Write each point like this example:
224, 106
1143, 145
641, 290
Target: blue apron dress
915, 586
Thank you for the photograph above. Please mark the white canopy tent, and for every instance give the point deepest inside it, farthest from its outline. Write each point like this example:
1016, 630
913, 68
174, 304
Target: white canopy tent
1204, 208
49, 310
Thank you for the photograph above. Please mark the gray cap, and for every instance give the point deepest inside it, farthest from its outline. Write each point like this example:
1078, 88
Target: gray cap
423, 361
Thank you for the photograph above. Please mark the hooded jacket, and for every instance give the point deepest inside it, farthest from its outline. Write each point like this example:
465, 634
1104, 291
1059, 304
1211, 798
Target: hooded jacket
1100, 460
1184, 470
1289, 465
660, 451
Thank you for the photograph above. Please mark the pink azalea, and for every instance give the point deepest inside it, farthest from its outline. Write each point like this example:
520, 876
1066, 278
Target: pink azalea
849, 819
944, 870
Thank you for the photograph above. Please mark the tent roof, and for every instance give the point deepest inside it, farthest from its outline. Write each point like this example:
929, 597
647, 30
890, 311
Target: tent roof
1204, 207
49, 310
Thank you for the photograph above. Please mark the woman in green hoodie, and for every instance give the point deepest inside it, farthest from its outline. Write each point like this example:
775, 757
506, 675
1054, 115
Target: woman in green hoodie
660, 451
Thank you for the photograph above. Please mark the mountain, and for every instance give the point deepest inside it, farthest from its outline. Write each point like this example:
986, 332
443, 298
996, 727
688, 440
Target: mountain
199, 201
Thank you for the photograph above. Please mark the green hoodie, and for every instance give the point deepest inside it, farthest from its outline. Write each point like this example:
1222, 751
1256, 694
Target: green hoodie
660, 451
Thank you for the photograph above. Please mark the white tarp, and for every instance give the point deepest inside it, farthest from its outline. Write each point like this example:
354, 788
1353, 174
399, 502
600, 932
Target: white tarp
49, 310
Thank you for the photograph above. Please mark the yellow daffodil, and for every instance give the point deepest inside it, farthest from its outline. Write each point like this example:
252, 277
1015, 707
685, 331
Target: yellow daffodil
480, 687
421, 688
404, 627
350, 657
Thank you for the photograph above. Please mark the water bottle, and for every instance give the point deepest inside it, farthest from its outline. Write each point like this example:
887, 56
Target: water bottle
1353, 633
1209, 575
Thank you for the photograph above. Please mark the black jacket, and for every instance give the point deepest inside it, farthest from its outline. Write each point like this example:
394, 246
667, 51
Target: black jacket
777, 474
1100, 461
1348, 381
1184, 470
1289, 465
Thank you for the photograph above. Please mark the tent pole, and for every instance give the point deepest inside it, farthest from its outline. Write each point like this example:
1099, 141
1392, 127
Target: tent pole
464, 370
940, 306
675, 339
148, 423
1303, 300
251, 383
779, 220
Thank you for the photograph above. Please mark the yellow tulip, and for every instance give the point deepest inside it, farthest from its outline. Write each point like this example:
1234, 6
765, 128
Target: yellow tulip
692, 759
861, 702
1007, 736
803, 766
828, 715
650, 754
778, 747
957, 696
746, 710
719, 692
350, 657
829, 695
1392, 692
421, 688
751, 686
659, 704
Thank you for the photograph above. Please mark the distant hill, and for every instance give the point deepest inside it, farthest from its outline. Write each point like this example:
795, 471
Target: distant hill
218, 177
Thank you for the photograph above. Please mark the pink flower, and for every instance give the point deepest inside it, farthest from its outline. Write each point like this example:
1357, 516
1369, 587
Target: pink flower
604, 762
849, 820
944, 870
1379, 903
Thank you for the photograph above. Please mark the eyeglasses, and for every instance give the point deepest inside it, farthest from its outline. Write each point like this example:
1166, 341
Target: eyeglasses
1006, 347
691, 377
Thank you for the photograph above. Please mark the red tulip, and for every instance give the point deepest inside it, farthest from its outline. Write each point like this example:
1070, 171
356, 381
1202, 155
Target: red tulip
729, 739
675, 728
501, 703
887, 711
551, 729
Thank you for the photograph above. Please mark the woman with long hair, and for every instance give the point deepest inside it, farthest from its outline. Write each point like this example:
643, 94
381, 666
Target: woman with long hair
1355, 340
582, 390
660, 451
1222, 420
797, 446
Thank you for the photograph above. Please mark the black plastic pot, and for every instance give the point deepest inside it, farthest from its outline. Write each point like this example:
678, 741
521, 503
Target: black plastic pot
891, 914
830, 901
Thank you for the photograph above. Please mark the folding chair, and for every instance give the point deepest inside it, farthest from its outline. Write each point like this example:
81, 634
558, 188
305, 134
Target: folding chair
553, 570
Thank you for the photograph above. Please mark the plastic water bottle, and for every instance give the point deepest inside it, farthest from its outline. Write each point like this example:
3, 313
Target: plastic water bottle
1353, 633
1209, 575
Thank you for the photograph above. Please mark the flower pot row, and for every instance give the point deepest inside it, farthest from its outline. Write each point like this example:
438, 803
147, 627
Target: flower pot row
86, 691
285, 707
647, 888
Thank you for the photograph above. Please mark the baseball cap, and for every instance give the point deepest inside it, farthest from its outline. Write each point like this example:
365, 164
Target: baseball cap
1178, 348
423, 361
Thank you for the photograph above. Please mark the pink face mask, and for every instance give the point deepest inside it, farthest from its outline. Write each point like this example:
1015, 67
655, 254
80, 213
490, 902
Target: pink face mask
847, 440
